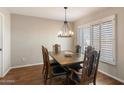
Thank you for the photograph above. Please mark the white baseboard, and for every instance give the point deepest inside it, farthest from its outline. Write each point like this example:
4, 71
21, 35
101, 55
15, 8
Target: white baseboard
26, 65
116, 78
4, 74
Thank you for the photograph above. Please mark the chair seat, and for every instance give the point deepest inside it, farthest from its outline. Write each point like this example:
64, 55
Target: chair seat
76, 66
58, 70
53, 63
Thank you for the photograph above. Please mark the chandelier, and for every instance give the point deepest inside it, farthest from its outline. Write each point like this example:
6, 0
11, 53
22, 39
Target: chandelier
66, 29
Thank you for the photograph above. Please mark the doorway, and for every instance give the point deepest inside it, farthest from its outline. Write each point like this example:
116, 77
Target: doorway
1, 46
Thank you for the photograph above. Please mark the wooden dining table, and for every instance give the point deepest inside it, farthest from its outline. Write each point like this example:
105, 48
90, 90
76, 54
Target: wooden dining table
66, 57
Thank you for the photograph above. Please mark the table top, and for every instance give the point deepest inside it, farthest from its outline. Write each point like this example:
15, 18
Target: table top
67, 57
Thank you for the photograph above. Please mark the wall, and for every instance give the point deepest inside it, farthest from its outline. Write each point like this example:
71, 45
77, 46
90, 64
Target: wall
6, 41
118, 70
29, 34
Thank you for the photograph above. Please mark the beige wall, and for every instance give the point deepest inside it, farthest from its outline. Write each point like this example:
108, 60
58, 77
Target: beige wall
118, 70
6, 41
29, 33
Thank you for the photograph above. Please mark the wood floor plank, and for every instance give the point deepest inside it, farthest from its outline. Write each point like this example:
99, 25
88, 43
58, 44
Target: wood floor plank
32, 75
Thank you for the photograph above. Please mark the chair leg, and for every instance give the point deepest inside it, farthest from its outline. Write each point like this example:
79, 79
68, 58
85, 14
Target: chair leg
67, 78
45, 80
94, 82
43, 69
50, 82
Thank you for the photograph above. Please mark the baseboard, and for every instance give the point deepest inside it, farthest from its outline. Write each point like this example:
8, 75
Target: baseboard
4, 74
26, 65
116, 78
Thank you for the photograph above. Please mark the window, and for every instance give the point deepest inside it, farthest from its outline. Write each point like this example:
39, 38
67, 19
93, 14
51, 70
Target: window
80, 37
83, 37
101, 35
86, 37
96, 36
107, 42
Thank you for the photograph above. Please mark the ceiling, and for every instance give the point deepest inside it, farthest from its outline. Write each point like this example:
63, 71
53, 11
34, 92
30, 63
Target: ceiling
55, 13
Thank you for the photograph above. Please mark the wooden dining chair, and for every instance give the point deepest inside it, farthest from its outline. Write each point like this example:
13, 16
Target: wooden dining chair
78, 49
56, 48
52, 71
89, 70
52, 62
44, 63
79, 66
44, 68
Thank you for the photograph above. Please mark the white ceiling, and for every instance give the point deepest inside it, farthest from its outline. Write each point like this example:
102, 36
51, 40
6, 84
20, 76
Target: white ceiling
55, 13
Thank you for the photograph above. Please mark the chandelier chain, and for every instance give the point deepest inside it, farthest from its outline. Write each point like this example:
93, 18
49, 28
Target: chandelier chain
65, 14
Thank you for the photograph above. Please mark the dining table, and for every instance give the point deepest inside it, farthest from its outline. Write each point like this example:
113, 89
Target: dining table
67, 57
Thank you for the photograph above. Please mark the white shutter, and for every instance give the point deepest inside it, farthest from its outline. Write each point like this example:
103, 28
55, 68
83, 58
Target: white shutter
80, 37
96, 36
107, 40
86, 36
0, 32
83, 37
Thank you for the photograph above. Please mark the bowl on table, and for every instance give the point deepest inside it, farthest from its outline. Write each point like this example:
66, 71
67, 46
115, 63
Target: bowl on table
68, 54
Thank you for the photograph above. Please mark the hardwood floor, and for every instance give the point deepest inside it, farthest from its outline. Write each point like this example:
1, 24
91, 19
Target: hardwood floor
33, 76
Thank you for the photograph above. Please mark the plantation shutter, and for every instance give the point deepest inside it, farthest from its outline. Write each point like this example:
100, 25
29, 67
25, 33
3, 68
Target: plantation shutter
96, 36
107, 41
80, 37
86, 37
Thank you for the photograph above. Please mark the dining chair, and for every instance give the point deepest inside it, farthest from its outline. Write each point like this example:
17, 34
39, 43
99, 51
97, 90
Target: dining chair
44, 63
79, 66
52, 71
52, 62
78, 49
56, 48
89, 70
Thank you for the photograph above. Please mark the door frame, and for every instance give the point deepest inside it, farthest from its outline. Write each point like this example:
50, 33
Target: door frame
2, 28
